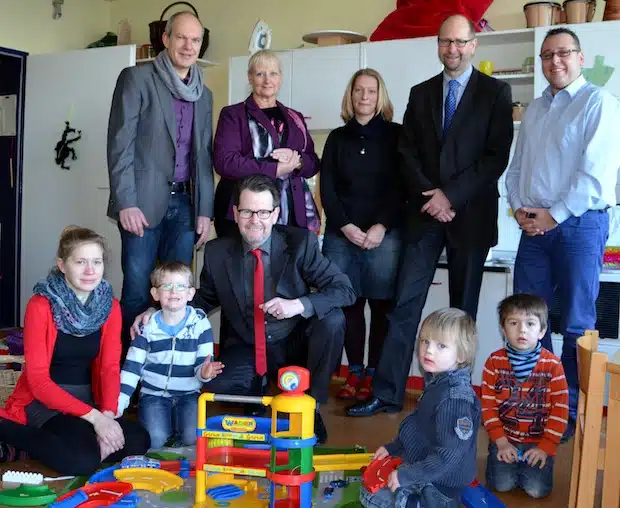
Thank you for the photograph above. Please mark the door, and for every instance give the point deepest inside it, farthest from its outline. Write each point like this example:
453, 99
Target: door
12, 70
75, 86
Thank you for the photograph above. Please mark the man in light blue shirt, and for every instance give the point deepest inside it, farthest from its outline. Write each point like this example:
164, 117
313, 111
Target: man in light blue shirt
561, 180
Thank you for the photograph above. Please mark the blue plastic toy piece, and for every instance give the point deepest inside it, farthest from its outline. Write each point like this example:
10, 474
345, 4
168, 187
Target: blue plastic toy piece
131, 500
72, 501
338, 484
480, 497
225, 493
520, 454
328, 493
105, 475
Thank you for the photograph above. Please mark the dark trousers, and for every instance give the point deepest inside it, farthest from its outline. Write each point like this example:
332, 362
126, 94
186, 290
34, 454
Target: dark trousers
416, 272
566, 261
315, 344
355, 333
68, 444
170, 240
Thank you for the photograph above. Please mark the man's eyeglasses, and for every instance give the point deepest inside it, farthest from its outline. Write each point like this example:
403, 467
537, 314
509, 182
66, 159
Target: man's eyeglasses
459, 43
169, 286
246, 213
562, 53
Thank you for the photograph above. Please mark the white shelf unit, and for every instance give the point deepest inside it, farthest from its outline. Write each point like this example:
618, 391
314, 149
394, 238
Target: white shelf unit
516, 36
521, 78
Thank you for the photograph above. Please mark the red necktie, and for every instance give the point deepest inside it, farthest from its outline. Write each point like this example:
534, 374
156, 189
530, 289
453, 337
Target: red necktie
260, 347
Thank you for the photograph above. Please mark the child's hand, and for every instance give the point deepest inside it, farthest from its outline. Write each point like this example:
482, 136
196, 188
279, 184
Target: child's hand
393, 482
210, 369
506, 452
535, 455
381, 453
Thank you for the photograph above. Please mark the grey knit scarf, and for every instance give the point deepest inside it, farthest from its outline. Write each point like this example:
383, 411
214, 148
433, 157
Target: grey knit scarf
70, 314
179, 90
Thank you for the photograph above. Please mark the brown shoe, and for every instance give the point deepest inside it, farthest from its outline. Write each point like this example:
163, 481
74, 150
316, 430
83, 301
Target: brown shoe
364, 389
349, 389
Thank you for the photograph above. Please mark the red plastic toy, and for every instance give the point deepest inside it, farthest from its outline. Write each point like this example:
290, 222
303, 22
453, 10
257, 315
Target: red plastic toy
93, 495
375, 475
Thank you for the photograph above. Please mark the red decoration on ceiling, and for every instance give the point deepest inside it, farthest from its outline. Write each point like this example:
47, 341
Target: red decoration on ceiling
421, 18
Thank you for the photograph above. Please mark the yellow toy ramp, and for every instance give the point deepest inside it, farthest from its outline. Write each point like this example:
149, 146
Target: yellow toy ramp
153, 480
341, 462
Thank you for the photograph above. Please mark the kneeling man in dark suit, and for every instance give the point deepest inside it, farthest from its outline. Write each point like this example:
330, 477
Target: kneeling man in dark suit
280, 299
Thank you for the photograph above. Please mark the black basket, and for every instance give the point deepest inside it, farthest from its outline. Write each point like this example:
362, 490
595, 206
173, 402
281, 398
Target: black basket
157, 29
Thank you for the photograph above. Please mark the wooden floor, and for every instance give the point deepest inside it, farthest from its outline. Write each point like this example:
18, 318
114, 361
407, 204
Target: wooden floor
380, 429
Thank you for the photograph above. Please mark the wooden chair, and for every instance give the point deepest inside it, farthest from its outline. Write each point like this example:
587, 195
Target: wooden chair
611, 476
588, 455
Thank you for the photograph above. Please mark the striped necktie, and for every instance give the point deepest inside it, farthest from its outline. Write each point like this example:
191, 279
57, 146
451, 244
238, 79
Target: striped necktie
450, 105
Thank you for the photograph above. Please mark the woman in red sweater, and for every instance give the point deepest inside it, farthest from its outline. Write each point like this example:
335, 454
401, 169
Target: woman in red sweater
62, 409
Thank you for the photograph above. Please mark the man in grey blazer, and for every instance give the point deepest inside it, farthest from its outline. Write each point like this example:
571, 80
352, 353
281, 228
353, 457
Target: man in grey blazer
159, 161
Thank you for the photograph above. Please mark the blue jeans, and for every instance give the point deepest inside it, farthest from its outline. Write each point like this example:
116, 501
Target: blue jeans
504, 477
165, 417
566, 261
426, 497
170, 240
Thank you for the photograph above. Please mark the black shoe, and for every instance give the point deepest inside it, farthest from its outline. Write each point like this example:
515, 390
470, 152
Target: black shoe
373, 406
254, 410
569, 432
319, 429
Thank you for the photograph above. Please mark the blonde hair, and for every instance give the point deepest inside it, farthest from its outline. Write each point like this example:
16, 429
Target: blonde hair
457, 325
171, 267
73, 237
264, 57
384, 105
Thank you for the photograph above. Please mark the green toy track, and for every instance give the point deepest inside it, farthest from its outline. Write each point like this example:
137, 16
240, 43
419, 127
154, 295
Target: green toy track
28, 495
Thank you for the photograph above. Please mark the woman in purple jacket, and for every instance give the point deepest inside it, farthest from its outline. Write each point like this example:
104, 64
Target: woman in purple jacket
261, 135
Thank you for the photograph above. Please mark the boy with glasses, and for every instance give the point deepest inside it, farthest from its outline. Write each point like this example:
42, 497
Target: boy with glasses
171, 357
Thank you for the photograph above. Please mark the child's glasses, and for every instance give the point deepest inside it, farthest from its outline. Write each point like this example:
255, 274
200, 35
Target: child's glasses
169, 286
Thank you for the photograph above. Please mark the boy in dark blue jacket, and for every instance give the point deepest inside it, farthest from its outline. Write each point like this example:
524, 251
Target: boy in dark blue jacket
437, 442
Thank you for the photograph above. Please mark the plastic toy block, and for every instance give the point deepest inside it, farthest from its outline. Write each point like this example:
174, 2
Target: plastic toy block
375, 475
477, 495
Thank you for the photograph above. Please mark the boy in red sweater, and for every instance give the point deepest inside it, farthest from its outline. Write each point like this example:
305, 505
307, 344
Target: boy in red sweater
524, 401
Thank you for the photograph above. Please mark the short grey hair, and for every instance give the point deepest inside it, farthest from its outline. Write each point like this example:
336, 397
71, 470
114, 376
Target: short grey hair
264, 57
176, 15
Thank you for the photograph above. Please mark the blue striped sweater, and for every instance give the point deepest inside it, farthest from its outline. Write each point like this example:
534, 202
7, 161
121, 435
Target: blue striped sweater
167, 359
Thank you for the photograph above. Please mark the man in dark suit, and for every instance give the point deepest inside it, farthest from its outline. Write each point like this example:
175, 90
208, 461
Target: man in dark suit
455, 144
298, 312
159, 161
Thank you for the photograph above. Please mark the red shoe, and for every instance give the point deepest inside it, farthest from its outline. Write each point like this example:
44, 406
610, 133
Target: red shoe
364, 389
349, 389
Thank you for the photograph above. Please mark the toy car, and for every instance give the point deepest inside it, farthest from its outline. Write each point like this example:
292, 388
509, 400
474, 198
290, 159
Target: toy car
328, 493
338, 484
139, 461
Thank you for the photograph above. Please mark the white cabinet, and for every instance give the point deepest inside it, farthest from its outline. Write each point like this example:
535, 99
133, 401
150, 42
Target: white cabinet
438, 297
495, 287
319, 78
403, 64
239, 86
